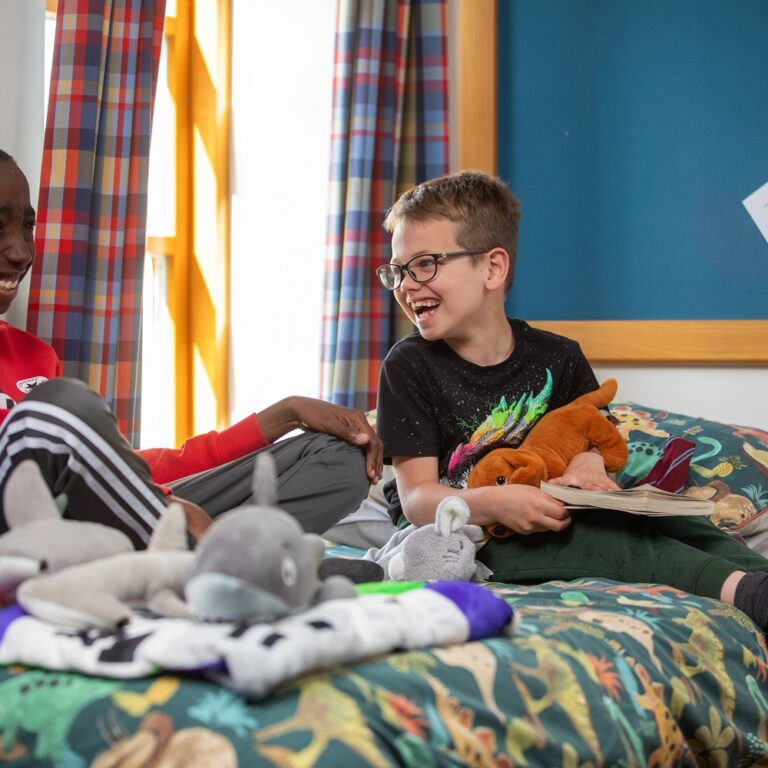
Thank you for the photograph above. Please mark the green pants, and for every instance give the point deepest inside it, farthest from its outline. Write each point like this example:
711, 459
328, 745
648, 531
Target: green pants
689, 553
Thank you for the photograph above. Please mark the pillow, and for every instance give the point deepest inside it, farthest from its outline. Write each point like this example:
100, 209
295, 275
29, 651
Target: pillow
729, 464
370, 524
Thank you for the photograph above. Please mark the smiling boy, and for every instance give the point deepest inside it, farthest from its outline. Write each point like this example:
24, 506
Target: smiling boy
472, 379
16, 213
25, 360
453, 245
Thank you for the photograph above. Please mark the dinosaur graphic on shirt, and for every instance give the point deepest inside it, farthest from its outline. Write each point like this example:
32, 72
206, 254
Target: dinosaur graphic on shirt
507, 423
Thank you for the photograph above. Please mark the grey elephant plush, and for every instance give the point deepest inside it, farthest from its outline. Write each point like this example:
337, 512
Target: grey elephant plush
444, 549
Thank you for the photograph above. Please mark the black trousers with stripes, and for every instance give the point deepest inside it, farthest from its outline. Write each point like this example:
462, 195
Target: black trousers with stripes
68, 430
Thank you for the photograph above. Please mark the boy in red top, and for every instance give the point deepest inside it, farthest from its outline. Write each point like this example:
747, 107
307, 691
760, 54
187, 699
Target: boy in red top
70, 433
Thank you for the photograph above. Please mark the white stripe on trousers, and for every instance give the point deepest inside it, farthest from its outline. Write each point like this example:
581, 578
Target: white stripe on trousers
135, 504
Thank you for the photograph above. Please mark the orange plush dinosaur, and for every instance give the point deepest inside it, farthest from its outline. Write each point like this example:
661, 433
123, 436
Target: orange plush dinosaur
552, 442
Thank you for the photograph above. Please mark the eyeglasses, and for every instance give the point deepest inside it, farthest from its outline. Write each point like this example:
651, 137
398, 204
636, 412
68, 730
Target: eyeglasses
421, 268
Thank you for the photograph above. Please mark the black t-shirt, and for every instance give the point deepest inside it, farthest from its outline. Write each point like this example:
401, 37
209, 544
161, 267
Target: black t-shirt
432, 402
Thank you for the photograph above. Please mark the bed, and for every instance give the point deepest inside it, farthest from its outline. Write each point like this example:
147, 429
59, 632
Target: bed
589, 672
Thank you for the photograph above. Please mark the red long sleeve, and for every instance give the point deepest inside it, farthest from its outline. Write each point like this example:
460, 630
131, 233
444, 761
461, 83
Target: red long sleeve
205, 451
25, 361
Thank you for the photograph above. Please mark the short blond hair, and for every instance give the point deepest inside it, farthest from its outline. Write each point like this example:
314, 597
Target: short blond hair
483, 207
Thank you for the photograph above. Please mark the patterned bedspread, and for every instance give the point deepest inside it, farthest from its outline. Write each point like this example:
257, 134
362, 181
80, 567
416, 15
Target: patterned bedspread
596, 673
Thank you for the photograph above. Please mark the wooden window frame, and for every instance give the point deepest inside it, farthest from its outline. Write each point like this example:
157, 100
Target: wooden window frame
200, 313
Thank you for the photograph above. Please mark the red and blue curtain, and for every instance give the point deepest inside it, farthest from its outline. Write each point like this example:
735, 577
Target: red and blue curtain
86, 290
390, 131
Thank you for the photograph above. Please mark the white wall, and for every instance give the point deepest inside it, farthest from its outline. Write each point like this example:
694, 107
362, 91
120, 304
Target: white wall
22, 27
733, 395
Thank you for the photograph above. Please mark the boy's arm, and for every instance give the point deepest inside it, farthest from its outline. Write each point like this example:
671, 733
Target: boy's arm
204, 451
213, 449
522, 508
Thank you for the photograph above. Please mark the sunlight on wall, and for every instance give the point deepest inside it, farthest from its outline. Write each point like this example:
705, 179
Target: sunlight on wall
161, 213
205, 307
282, 62
281, 95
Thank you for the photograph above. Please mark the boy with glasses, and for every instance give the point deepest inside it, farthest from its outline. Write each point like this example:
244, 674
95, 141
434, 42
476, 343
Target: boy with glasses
69, 432
472, 379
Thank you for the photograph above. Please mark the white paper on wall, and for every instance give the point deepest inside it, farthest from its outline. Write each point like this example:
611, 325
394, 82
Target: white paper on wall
757, 207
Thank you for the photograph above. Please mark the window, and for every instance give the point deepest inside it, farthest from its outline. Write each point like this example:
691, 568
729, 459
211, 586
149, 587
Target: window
226, 335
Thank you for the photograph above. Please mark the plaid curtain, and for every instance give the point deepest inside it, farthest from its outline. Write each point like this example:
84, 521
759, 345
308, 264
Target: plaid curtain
390, 131
85, 294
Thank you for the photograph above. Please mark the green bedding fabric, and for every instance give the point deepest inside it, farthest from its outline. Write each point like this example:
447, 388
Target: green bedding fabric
597, 673
729, 464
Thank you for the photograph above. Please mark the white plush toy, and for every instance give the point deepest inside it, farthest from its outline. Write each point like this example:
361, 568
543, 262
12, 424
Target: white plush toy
444, 549
102, 592
39, 540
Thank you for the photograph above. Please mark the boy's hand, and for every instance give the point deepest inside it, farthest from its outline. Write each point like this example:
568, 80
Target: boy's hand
586, 470
346, 423
314, 415
527, 509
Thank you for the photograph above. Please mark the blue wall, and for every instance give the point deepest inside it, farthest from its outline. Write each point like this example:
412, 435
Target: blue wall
632, 130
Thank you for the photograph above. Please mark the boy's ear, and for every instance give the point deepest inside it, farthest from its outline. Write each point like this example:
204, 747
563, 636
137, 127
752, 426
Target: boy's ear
498, 268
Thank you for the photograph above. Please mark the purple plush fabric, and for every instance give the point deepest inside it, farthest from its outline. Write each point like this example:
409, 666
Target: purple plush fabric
487, 614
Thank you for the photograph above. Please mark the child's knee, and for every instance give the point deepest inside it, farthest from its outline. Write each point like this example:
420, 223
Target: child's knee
80, 402
69, 393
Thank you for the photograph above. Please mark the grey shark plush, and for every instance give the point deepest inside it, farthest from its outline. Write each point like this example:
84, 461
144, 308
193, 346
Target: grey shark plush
255, 563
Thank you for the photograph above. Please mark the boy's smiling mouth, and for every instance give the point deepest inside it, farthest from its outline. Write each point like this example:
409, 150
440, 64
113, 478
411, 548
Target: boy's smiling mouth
424, 307
9, 282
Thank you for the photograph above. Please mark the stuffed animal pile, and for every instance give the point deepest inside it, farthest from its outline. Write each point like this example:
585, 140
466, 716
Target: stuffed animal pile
254, 563
249, 606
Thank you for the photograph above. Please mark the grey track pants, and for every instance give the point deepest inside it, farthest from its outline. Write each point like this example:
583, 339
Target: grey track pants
321, 480
68, 430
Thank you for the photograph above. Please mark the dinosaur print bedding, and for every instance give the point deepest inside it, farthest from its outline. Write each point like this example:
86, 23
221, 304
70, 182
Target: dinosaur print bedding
595, 673
727, 464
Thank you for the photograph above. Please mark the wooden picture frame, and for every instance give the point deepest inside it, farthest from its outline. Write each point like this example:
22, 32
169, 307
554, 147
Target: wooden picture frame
669, 342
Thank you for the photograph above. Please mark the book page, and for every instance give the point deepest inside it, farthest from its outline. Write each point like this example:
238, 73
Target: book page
643, 500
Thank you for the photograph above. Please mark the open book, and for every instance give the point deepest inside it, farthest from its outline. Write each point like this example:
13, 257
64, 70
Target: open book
642, 500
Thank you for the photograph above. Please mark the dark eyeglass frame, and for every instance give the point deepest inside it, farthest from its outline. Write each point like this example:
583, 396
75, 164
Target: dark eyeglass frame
401, 269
